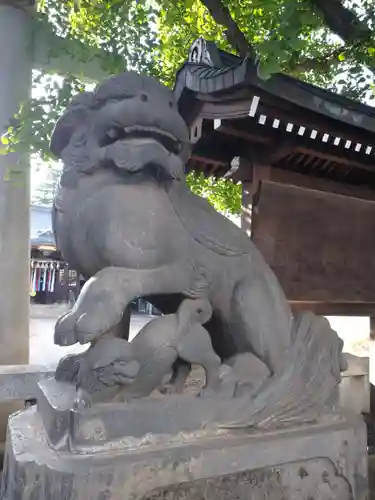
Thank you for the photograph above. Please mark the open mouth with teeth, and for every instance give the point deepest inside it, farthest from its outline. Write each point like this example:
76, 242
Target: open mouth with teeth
166, 139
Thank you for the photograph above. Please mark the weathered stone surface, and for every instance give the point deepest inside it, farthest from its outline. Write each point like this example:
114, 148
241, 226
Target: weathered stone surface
125, 218
165, 417
21, 381
166, 345
124, 147
326, 461
316, 478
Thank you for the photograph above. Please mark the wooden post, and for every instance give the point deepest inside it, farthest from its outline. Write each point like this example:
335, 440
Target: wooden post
372, 327
251, 174
66, 282
78, 285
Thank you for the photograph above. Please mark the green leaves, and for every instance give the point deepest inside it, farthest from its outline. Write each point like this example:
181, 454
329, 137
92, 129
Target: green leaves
154, 36
269, 67
224, 195
120, 30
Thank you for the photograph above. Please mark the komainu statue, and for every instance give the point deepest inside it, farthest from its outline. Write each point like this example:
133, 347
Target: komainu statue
126, 220
118, 421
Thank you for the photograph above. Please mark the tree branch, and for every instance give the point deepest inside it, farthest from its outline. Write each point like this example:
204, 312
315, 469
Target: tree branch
342, 21
236, 38
321, 63
338, 18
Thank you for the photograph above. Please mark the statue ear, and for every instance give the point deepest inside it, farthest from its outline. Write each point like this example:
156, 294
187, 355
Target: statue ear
76, 157
61, 135
113, 353
76, 114
119, 372
124, 372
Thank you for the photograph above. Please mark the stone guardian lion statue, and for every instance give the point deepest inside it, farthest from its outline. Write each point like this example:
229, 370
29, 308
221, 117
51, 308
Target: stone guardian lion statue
126, 220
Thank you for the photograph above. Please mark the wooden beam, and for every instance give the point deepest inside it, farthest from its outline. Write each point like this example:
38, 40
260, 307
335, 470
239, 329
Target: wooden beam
322, 107
243, 134
335, 308
281, 176
214, 167
274, 108
289, 97
278, 150
254, 174
372, 326
335, 158
292, 145
210, 161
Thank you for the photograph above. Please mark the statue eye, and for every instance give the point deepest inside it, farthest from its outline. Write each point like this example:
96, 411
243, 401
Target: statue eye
144, 97
199, 311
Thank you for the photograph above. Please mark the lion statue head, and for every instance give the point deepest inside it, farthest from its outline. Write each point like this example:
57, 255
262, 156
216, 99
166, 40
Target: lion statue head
130, 122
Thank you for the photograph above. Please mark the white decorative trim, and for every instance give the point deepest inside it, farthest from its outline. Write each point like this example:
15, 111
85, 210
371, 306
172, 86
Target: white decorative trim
254, 106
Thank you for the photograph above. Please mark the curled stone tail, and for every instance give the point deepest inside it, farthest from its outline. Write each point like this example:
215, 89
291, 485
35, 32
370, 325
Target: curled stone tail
308, 385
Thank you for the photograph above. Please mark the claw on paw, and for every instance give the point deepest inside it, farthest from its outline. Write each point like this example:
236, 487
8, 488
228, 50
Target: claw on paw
73, 328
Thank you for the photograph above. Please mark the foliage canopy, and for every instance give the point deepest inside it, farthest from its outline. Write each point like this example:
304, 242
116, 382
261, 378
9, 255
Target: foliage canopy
330, 43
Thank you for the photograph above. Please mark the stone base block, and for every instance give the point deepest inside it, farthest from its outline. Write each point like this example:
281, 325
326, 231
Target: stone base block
355, 385
165, 417
324, 461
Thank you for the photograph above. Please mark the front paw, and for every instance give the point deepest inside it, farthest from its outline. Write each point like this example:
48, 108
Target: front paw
74, 327
68, 368
65, 334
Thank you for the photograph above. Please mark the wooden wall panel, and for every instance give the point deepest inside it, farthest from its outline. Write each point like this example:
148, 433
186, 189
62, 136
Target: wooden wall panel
320, 245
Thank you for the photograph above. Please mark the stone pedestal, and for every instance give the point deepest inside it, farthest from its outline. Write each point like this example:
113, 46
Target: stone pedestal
48, 459
355, 385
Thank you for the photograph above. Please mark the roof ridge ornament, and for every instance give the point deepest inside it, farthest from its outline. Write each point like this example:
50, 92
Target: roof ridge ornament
205, 52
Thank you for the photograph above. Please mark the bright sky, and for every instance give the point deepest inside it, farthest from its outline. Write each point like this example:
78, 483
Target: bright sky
38, 168
38, 175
